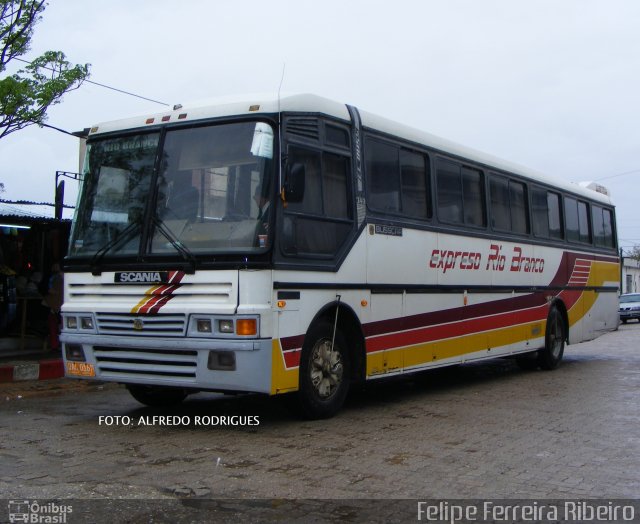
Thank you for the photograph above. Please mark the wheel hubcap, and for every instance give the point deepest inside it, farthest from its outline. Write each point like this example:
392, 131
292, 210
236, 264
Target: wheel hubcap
326, 369
556, 337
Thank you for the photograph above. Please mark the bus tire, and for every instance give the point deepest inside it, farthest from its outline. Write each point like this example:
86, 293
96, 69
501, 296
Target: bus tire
156, 396
555, 335
324, 372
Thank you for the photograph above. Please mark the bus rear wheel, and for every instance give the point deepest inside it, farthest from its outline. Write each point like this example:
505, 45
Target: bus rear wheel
555, 335
324, 372
156, 396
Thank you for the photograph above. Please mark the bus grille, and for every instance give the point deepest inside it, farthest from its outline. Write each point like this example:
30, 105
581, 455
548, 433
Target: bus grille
141, 325
139, 362
307, 127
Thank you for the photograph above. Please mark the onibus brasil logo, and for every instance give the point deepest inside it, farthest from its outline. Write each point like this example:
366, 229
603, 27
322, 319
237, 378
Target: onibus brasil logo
38, 513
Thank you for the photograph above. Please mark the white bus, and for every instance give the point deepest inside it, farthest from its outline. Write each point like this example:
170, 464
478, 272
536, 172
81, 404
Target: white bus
299, 245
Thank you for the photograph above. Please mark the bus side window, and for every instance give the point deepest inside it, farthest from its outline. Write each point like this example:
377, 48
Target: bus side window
460, 194
547, 220
539, 212
508, 205
602, 226
414, 184
577, 221
312, 201
319, 224
334, 183
473, 197
609, 238
554, 216
449, 192
519, 208
500, 214
397, 181
383, 176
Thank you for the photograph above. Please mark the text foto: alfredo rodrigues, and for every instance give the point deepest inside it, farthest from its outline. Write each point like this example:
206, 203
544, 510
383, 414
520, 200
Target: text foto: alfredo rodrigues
179, 420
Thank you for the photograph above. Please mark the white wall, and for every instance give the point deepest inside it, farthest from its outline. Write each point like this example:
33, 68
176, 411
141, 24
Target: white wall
631, 276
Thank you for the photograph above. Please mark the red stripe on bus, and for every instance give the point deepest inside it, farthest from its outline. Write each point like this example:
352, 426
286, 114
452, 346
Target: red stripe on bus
465, 320
159, 303
175, 277
144, 309
455, 329
468, 326
160, 295
292, 358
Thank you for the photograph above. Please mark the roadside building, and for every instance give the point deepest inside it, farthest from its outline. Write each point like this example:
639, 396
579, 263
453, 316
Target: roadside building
31, 242
630, 275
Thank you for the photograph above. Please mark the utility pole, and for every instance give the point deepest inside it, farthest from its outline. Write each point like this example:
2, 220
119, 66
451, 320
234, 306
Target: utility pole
59, 191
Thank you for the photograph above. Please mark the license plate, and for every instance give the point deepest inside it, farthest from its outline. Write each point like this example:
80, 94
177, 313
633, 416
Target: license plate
81, 369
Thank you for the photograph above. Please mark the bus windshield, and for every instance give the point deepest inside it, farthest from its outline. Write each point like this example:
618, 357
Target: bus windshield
197, 190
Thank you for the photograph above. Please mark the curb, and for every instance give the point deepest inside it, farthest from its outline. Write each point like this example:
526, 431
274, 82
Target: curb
42, 370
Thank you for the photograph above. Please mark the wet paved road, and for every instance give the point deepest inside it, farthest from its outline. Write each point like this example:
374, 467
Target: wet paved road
479, 431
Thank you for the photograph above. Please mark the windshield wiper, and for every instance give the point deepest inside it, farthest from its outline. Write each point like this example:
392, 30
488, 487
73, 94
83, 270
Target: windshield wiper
126, 234
179, 247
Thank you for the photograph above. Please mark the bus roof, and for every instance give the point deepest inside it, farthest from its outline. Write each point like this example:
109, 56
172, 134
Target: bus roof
230, 106
310, 103
588, 190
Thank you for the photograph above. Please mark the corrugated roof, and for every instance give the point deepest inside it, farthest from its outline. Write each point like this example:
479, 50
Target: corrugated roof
39, 211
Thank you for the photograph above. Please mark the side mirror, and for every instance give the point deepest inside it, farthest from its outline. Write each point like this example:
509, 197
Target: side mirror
294, 183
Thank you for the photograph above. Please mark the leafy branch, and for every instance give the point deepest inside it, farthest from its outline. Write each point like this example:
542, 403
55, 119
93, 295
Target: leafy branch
26, 96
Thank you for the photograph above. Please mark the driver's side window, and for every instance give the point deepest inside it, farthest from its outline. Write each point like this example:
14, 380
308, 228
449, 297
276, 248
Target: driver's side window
319, 224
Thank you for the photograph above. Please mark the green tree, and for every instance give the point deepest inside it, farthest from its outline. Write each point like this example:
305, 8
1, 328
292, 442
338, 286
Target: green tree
26, 95
634, 253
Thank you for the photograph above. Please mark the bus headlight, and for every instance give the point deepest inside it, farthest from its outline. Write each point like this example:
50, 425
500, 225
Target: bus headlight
86, 323
203, 325
224, 327
79, 322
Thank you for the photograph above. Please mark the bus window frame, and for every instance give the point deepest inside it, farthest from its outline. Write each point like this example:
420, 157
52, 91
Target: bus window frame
528, 215
407, 147
317, 261
461, 164
590, 242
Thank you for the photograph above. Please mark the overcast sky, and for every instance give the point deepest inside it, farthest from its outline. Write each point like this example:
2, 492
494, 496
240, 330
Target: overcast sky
553, 85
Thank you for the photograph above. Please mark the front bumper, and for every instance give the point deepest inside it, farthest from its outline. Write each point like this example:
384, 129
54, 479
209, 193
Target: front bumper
629, 314
177, 362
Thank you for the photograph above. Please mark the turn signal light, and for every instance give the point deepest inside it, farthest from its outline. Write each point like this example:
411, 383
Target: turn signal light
246, 326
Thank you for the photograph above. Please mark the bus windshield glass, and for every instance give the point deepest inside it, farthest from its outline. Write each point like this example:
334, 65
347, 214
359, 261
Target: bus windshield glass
205, 191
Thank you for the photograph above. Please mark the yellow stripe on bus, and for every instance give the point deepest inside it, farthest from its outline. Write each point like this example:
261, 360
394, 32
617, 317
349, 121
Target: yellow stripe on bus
148, 294
383, 362
283, 380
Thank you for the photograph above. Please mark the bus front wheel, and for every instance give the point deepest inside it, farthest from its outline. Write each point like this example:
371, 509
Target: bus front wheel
324, 372
555, 335
156, 396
